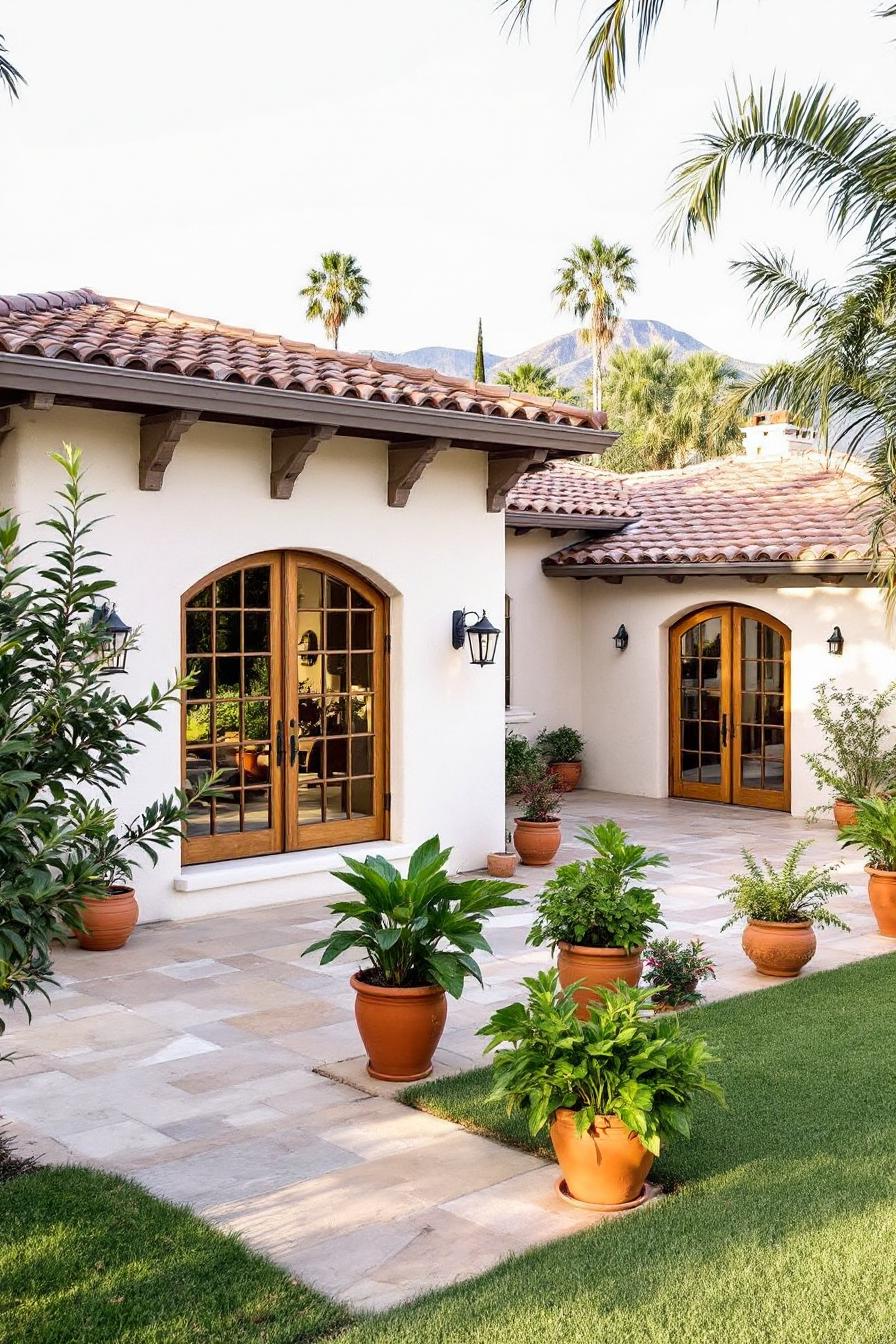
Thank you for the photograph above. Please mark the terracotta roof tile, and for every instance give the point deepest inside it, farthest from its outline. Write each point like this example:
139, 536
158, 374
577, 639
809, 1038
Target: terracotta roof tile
88, 327
572, 488
735, 510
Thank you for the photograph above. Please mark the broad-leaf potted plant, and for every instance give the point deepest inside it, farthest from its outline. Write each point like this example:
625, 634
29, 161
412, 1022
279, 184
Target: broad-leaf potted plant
418, 934
857, 760
562, 749
674, 971
780, 907
611, 1087
598, 913
874, 831
502, 863
536, 832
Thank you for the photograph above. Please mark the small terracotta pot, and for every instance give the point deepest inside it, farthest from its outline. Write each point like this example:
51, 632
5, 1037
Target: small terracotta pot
882, 895
598, 967
536, 841
108, 920
779, 949
608, 1164
844, 813
501, 864
567, 774
400, 1029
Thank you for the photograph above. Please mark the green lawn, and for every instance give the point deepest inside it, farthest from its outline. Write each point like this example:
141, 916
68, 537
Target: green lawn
782, 1229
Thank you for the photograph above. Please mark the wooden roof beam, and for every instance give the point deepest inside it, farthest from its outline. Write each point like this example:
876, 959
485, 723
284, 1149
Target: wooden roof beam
504, 471
290, 450
159, 436
407, 463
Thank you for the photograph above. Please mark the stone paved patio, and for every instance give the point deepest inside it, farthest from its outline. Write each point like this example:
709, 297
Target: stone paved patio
187, 1061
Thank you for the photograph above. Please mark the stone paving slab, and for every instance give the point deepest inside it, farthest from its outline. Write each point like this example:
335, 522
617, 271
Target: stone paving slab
210, 1062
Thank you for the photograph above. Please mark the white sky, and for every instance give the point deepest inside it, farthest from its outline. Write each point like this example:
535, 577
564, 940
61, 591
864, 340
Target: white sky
201, 155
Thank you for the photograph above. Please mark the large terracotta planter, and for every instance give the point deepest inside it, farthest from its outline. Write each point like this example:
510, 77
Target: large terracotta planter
400, 1029
598, 967
501, 864
844, 813
779, 949
108, 921
567, 774
608, 1164
536, 841
882, 895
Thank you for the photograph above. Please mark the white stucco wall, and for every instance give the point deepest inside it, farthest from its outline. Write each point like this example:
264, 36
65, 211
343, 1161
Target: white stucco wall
623, 710
443, 550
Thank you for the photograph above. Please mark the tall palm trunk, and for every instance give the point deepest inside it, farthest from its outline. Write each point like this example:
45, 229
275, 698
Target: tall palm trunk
597, 391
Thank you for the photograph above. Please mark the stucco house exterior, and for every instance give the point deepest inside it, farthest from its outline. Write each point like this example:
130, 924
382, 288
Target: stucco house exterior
297, 527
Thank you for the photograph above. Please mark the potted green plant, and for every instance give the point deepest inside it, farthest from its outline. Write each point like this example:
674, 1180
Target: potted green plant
674, 971
562, 749
502, 863
598, 913
418, 934
857, 760
519, 756
874, 831
536, 832
780, 908
611, 1087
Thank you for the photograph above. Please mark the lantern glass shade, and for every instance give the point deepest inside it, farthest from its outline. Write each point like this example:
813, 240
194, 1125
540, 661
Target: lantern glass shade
835, 641
483, 640
112, 648
620, 639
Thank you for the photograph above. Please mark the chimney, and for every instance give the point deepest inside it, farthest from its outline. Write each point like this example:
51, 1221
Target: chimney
772, 434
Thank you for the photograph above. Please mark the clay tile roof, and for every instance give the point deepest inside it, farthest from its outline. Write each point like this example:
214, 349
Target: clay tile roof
733, 511
573, 489
88, 327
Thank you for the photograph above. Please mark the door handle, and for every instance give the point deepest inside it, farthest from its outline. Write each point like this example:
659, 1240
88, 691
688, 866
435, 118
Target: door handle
724, 730
279, 741
292, 744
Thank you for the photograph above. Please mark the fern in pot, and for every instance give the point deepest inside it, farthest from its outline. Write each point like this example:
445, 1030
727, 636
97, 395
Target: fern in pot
874, 831
858, 759
598, 913
611, 1087
418, 935
780, 907
562, 749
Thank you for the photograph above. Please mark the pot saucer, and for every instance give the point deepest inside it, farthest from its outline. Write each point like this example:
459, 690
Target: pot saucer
648, 1192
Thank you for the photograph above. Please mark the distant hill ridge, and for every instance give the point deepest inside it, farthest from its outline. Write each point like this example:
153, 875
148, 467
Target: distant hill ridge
566, 356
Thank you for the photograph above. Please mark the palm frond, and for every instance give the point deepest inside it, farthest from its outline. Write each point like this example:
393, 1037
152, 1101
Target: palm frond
9, 75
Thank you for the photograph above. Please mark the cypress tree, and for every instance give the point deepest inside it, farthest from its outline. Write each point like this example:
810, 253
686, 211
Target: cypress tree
479, 361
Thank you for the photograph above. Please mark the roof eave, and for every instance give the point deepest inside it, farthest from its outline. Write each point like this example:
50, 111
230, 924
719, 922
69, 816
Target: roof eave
566, 522
742, 569
120, 389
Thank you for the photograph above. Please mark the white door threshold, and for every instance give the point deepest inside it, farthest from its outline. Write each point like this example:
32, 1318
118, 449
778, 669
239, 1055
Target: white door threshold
268, 867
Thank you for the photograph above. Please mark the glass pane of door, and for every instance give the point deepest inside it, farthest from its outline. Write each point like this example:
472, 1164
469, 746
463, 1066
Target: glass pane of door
762, 707
700, 704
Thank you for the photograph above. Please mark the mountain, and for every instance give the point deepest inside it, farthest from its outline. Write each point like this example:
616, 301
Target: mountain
568, 358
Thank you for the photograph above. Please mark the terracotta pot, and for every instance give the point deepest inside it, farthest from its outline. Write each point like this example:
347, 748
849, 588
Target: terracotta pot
844, 813
501, 865
109, 920
400, 1028
882, 895
599, 967
608, 1164
567, 774
536, 841
779, 949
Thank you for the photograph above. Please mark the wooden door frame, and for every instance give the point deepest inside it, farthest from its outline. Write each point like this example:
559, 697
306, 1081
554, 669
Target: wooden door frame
731, 614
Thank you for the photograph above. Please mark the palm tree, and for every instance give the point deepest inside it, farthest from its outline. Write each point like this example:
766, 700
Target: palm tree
336, 291
534, 380
590, 283
9, 75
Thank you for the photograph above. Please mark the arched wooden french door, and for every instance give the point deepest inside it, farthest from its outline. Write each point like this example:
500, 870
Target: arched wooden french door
289, 704
729, 701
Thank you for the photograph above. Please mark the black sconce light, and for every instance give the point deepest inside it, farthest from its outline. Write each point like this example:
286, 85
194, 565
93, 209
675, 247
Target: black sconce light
836, 641
620, 639
483, 637
112, 648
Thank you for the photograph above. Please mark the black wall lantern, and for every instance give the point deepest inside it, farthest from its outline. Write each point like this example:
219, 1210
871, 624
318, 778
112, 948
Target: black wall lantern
112, 648
483, 637
836, 641
620, 639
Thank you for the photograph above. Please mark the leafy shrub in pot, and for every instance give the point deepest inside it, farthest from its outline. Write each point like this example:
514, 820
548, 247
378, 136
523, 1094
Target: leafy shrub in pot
780, 907
874, 831
537, 828
598, 912
519, 756
674, 971
562, 749
418, 934
858, 759
611, 1086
